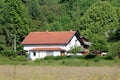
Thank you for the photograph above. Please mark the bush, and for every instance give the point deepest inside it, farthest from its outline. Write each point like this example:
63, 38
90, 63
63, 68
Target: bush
55, 57
97, 44
49, 58
108, 57
81, 57
37, 60
114, 48
74, 50
8, 53
97, 58
90, 56
60, 57
68, 57
21, 58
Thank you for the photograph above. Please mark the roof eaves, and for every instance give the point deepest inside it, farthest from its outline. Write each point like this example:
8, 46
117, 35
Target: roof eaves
71, 38
47, 49
44, 43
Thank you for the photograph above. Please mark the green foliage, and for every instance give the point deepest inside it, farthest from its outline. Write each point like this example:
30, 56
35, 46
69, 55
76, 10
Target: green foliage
114, 48
75, 50
38, 60
8, 53
63, 61
55, 26
90, 56
14, 21
49, 58
99, 44
115, 36
100, 58
55, 57
108, 57
115, 2
63, 57
20, 58
34, 9
97, 20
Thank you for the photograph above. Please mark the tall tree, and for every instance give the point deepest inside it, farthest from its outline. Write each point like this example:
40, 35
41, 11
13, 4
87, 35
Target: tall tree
15, 21
34, 9
2, 21
100, 18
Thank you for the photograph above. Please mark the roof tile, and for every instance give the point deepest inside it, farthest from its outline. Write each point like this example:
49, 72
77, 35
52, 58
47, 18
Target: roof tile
48, 37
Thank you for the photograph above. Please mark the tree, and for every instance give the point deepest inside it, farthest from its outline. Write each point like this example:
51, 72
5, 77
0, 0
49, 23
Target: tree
15, 21
114, 36
77, 8
88, 16
2, 21
34, 9
55, 26
99, 43
99, 18
115, 48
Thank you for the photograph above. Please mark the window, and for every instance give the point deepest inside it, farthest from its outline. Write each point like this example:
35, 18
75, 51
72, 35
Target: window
34, 53
49, 53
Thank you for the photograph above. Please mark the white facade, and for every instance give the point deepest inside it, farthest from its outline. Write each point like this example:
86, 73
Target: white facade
41, 54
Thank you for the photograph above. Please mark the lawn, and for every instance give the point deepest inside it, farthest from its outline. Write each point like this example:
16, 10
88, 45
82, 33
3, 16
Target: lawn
27, 72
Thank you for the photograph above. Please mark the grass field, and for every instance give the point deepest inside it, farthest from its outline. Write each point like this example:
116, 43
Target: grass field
11, 72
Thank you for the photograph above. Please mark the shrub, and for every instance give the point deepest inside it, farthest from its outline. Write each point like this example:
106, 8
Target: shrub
108, 57
99, 43
81, 57
20, 58
97, 58
90, 56
49, 58
74, 50
55, 57
37, 60
8, 53
60, 57
114, 48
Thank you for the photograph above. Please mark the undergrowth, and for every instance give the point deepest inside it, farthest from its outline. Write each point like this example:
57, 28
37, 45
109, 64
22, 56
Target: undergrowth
62, 61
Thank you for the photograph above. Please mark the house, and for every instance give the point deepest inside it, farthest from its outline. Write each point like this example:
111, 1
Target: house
42, 44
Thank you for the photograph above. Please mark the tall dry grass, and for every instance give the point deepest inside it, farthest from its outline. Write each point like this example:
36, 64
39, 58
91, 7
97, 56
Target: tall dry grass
8, 72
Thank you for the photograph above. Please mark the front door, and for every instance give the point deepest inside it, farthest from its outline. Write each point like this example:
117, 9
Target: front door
62, 53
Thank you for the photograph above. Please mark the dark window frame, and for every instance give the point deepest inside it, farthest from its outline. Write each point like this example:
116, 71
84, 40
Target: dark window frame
34, 53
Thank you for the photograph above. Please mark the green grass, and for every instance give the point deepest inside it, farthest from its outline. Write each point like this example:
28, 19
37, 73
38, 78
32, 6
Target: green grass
61, 61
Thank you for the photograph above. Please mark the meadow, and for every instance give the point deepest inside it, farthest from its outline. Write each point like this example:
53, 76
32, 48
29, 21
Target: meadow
27, 72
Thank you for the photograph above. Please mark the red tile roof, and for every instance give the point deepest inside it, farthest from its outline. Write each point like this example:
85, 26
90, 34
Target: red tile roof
47, 49
48, 37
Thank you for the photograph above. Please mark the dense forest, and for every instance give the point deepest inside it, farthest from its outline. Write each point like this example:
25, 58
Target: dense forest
97, 20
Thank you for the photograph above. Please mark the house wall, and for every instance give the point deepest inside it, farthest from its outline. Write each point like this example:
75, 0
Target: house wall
41, 54
73, 43
29, 47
